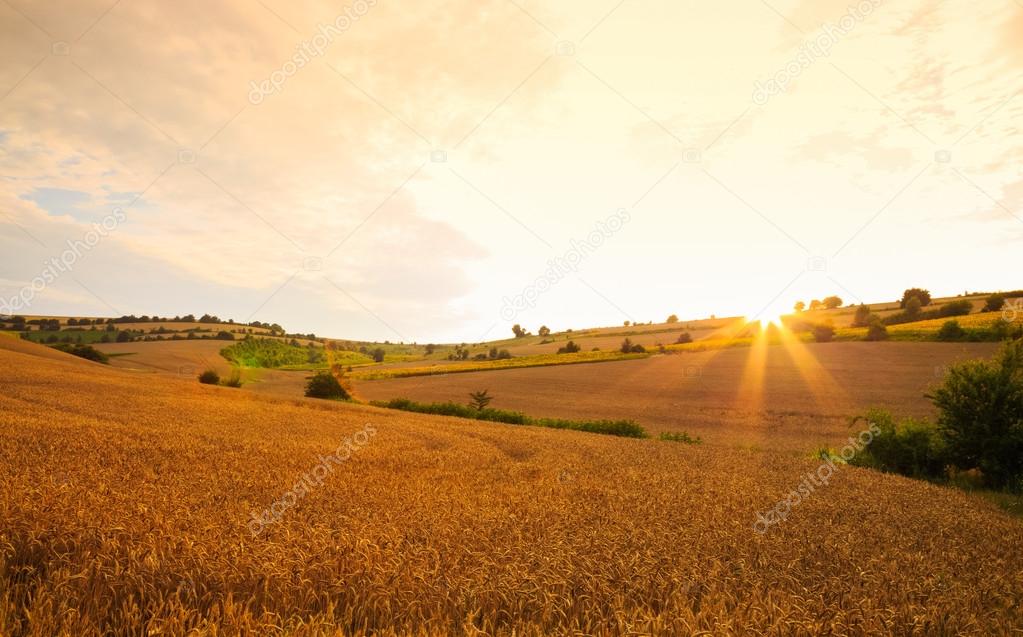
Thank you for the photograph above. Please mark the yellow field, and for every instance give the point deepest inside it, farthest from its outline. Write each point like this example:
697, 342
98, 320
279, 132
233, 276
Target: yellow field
543, 360
127, 507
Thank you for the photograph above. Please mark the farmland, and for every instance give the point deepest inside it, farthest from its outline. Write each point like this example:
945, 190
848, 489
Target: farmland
804, 399
127, 506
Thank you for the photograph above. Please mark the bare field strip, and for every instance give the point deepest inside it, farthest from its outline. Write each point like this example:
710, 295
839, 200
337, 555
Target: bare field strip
125, 503
712, 394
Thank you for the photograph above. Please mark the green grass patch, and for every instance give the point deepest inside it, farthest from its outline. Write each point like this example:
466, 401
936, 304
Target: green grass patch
680, 436
272, 354
622, 428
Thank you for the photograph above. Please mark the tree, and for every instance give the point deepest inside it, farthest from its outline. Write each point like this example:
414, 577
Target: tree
626, 323
628, 347
824, 333
923, 295
994, 303
544, 331
816, 305
430, 348
980, 415
913, 307
799, 306
325, 385
123, 337
831, 302
876, 331
862, 316
518, 331
378, 355
672, 319
951, 331
570, 348
479, 400
683, 338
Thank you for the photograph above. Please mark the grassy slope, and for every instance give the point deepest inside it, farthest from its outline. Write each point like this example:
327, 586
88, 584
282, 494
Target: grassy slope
124, 506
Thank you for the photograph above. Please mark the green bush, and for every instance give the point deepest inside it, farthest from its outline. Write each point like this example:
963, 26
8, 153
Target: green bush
209, 377
980, 415
87, 352
270, 353
877, 331
951, 331
823, 333
325, 385
994, 303
912, 448
680, 436
955, 308
570, 347
623, 428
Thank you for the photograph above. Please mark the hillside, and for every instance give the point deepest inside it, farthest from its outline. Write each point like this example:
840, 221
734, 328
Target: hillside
128, 503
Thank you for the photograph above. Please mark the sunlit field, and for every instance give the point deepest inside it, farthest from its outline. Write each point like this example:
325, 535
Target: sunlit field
129, 506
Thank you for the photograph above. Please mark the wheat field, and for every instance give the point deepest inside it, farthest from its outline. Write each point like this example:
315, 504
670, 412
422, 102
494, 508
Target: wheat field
128, 507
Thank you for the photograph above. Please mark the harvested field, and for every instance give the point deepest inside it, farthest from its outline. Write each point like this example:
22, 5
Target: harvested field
709, 393
125, 508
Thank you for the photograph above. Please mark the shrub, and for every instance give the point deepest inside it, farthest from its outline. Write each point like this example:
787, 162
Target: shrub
570, 347
209, 377
956, 308
123, 337
378, 355
951, 331
862, 316
911, 448
87, 352
224, 336
823, 333
994, 303
980, 415
234, 379
877, 331
628, 347
680, 436
325, 385
683, 338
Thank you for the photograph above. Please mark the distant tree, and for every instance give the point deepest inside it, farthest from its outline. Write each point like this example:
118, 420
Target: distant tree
831, 302
627, 323
518, 331
862, 316
923, 295
683, 338
994, 303
123, 337
626, 346
479, 400
824, 333
951, 331
378, 355
956, 308
325, 385
672, 319
876, 331
816, 305
799, 306
570, 348
430, 348
544, 331
913, 306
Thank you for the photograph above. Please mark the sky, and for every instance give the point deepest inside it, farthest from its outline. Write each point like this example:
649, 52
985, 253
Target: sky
441, 170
